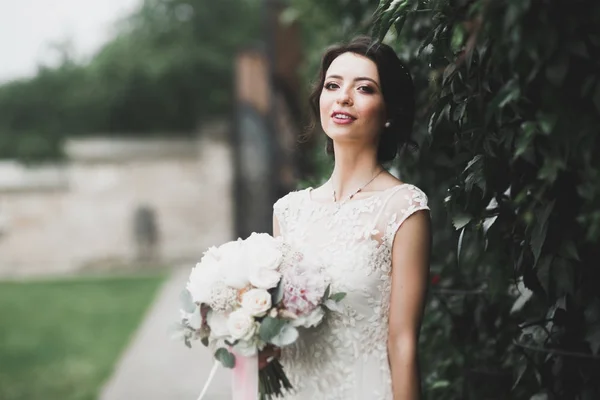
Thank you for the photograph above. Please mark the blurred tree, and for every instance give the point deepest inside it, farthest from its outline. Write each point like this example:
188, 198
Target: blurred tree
169, 68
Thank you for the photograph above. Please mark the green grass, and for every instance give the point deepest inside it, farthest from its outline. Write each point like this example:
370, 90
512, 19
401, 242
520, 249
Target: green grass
61, 339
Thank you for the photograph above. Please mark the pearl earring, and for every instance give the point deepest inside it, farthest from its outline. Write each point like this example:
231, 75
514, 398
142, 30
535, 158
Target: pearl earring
388, 124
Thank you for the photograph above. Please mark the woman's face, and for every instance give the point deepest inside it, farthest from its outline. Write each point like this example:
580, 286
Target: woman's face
351, 105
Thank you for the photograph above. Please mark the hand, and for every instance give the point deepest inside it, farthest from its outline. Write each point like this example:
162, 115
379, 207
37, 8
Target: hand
268, 354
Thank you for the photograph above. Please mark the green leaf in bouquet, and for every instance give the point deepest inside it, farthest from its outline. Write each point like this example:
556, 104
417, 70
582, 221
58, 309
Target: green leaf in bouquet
195, 319
204, 341
337, 297
270, 327
333, 306
277, 294
225, 357
187, 303
231, 344
326, 295
286, 336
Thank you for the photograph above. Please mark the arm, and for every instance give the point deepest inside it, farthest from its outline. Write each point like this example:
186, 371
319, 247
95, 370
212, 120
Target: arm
410, 271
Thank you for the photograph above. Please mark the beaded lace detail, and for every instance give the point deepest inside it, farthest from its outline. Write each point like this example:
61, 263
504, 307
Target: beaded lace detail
346, 357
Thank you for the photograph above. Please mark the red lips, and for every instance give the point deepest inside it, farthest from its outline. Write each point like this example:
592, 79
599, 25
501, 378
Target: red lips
342, 118
342, 113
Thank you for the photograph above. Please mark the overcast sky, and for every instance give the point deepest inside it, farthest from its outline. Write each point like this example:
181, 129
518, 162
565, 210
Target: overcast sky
27, 27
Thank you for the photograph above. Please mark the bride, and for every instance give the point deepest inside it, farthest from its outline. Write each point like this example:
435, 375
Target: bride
370, 229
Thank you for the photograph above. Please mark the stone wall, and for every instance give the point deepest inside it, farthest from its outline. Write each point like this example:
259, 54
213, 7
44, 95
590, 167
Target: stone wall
97, 211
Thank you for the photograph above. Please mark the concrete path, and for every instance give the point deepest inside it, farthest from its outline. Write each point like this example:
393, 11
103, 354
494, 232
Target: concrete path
154, 367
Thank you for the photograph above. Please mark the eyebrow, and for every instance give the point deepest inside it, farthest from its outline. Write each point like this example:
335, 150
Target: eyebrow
359, 78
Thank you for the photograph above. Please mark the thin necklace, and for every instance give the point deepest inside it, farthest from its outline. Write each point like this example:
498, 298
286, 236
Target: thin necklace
349, 197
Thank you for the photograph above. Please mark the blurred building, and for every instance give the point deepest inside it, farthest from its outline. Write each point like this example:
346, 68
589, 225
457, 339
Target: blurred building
117, 203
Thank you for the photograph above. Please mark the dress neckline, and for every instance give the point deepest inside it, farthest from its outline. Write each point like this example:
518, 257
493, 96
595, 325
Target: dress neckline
353, 201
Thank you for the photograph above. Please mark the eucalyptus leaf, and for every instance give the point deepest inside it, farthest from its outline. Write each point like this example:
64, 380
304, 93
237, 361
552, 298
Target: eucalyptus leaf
333, 306
187, 302
327, 291
270, 327
277, 294
195, 319
337, 297
286, 336
225, 357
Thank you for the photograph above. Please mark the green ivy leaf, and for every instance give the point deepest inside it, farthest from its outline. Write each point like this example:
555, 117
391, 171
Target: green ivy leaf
557, 71
596, 98
509, 92
521, 369
547, 122
459, 111
543, 272
440, 384
460, 221
528, 131
225, 357
538, 236
448, 71
569, 250
459, 246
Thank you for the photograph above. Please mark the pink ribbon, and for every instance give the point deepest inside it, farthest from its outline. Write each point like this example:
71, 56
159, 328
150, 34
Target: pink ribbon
244, 383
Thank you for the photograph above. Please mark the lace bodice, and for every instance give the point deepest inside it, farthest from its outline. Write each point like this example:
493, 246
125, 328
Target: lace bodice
346, 357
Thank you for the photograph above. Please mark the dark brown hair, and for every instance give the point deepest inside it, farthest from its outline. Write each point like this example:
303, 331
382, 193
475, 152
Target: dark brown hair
396, 85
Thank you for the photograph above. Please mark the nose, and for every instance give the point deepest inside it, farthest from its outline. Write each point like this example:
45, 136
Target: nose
344, 97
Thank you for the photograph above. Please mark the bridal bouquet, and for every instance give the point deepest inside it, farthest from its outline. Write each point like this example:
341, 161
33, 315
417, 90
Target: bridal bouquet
249, 294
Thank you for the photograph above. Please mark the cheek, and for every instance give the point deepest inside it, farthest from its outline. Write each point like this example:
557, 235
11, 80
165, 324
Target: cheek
325, 104
373, 113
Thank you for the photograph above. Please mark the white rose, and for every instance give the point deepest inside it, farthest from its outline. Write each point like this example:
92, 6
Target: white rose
310, 320
264, 252
202, 278
234, 262
264, 278
256, 302
241, 325
218, 325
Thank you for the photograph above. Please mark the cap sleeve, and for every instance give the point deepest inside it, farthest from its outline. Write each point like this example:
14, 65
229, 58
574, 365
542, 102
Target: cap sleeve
401, 204
281, 211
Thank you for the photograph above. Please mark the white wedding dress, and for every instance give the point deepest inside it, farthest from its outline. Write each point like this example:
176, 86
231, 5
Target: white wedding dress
346, 357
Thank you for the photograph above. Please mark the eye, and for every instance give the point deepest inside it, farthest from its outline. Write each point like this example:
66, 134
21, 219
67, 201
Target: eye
330, 85
366, 89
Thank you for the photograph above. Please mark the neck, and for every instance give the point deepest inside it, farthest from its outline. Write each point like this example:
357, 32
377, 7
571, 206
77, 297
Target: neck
352, 170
